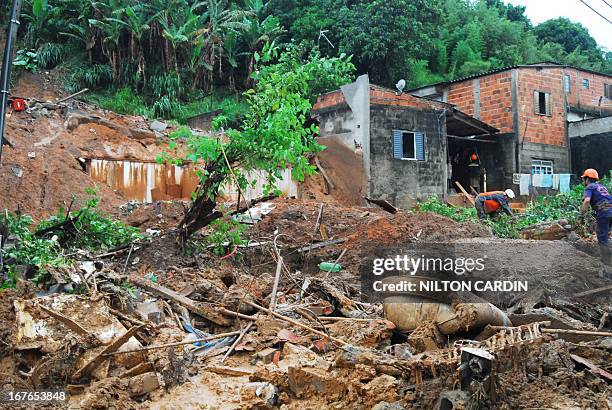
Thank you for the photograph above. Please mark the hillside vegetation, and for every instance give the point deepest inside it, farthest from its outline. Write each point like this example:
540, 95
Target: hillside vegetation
177, 58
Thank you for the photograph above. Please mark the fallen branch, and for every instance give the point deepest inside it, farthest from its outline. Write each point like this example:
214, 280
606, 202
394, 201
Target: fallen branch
187, 342
71, 96
238, 339
321, 245
324, 173
296, 323
253, 202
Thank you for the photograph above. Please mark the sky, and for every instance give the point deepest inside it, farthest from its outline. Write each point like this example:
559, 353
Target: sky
542, 10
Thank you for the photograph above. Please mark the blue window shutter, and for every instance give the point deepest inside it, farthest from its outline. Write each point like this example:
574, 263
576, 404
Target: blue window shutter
419, 138
398, 149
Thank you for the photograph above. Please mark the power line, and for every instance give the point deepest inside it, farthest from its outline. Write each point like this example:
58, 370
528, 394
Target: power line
599, 14
609, 5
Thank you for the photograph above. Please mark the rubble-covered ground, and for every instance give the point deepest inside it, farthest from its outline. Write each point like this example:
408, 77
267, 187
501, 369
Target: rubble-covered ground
125, 338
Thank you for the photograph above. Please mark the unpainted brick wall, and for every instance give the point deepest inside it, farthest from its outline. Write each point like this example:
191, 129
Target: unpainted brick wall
536, 128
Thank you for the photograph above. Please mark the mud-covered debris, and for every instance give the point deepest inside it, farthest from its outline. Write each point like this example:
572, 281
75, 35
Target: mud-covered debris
143, 384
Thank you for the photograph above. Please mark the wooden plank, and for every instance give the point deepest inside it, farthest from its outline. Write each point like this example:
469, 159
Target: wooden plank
468, 196
208, 312
593, 291
594, 369
383, 204
69, 323
100, 357
324, 173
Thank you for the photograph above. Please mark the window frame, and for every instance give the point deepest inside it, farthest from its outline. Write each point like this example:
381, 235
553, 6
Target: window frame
414, 141
547, 103
567, 84
586, 83
608, 91
542, 164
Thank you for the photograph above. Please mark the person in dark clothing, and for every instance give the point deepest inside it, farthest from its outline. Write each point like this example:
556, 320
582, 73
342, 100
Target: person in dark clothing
489, 203
597, 196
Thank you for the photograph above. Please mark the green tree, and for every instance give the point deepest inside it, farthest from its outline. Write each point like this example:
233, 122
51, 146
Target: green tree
566, 33
273, 133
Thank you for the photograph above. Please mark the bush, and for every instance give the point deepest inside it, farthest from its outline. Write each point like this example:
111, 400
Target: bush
92, 77
95, 232
50, 55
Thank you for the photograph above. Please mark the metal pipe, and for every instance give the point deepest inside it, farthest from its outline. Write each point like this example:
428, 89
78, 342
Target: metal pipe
5, 80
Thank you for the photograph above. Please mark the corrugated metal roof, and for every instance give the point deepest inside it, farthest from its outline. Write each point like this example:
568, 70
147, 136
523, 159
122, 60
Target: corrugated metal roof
542, 64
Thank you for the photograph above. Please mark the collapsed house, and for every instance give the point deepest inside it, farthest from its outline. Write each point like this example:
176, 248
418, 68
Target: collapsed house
402, 146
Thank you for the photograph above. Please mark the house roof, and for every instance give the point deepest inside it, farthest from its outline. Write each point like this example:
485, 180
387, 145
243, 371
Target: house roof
544, 64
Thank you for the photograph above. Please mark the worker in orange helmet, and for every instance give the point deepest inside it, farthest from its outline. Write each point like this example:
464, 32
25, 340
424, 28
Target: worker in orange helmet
489, 203
597, 196
474, 171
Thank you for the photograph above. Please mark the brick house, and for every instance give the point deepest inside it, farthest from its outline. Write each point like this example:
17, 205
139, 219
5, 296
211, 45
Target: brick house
388, 145
531, 105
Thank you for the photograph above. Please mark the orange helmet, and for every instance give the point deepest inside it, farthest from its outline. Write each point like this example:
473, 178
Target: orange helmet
590, 173
474, 157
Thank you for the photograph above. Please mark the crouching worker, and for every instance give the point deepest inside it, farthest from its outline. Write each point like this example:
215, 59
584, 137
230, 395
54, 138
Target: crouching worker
489, 203
596, 195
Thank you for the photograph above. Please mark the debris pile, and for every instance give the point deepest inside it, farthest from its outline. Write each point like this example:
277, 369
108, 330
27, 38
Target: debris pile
267, 328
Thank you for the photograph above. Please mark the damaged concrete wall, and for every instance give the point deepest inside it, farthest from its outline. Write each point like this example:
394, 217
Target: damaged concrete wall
344, 129
402, 181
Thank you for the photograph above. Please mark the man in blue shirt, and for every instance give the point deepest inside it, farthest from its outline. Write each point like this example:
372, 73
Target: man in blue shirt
596, 195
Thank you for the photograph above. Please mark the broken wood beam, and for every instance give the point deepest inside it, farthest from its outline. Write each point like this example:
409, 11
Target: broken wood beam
321, 245
185, 342
383, 204
296, 323
208, 312
578, 332
100, 357
468, 196
71, 96
324, 173
69, 323
592, 367
228, 371
593, 291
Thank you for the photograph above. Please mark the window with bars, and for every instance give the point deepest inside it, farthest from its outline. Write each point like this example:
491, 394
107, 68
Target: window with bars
541, 103
608, 91
409, 145
541, 166
585, 83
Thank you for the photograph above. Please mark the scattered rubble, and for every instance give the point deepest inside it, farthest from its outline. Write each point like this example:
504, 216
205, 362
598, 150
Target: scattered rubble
279, 321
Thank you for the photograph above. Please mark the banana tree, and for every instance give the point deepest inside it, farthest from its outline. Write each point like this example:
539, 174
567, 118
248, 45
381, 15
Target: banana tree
138, 20
254, 35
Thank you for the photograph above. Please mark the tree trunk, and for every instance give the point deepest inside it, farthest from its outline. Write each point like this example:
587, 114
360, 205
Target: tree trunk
202, 212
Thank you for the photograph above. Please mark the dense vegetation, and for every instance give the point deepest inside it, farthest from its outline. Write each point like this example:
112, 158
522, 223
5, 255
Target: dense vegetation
164, 57
46, 245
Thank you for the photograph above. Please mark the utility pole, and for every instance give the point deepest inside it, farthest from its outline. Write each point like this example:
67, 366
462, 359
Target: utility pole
13, 26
